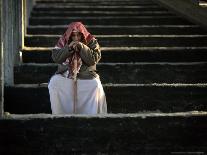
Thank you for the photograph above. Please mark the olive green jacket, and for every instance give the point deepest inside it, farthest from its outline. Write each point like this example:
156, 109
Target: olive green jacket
90, 55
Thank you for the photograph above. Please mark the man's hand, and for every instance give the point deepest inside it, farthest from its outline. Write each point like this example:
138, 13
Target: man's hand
76, 45
73, 44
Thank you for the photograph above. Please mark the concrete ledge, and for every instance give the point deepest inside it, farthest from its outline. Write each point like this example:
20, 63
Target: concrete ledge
98, 13
112, 134
121, 98
140, 20
128, 40
94, 1
118, 29
122, 73
187, 9
130, 54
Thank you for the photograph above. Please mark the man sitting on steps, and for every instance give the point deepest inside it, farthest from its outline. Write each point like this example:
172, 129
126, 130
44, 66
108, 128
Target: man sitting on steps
76, 87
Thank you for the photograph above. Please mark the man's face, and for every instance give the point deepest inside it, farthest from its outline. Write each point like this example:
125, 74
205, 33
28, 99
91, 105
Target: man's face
76, 36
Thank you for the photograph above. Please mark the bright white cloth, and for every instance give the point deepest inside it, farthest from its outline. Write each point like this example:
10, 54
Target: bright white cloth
90, 96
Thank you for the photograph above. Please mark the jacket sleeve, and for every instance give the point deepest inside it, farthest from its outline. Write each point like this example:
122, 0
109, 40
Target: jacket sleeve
90, 54
59, 55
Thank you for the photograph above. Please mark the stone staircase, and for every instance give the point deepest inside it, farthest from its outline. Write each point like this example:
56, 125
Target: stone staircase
154, 73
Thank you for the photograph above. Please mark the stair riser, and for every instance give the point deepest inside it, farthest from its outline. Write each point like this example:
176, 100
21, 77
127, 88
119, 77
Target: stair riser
98, 13
147, 2
120, 99
95, 3
130, 56
111, 21
92, 8
126, 41
121, 31
103, 135
123, 73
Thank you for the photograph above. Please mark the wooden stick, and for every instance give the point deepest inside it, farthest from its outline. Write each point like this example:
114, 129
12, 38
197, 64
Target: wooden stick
75, 96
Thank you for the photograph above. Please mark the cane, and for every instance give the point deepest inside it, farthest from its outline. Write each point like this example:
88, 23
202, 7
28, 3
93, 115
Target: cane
75, 90
75, 63
75, 87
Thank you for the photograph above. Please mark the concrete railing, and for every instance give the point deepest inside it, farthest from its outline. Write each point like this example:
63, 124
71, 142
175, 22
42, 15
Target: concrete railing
10, 36
1, 67
14, 17
189, 9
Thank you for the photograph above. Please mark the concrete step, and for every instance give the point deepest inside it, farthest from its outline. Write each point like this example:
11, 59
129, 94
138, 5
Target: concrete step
122, 30
98, 13
95, 4
95, 1
113, 20
126, 40
97, 7
121, 98
151, 133
128, 54
122, 73
71, 3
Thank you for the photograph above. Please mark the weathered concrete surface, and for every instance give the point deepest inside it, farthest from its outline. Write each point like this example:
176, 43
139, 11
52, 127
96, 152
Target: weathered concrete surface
129, 55
188, 9
157, 20
111, 134
138, 7
121, 98
122, 73
11, 35
118, 30
127, 40
96, 1
99, 13
1, 66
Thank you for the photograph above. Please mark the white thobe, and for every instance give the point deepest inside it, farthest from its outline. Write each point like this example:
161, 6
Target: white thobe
90, 96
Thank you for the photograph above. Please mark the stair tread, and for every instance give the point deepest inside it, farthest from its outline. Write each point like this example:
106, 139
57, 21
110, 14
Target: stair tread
129, 40
130, 48
179, 133
121, 98
111, 13
143, 115
142, 72
128, 36
46, 6
118, 26
167, 85
128, 54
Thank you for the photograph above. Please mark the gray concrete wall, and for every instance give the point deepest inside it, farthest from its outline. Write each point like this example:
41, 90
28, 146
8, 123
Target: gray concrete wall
188, 9
14, 16
1, 67
11, 36
14, 19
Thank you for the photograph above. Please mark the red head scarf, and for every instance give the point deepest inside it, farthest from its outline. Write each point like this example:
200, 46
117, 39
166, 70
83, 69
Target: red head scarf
78, 26
74, 62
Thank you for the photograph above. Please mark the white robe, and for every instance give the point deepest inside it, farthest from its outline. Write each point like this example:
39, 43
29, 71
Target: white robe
90, 96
